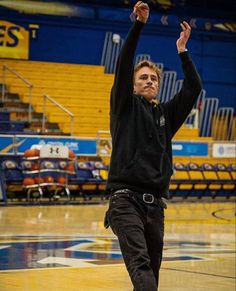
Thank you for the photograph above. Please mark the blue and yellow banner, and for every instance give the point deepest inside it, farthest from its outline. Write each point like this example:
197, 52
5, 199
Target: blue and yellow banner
79, 146
14, 41
7, 145
193, 149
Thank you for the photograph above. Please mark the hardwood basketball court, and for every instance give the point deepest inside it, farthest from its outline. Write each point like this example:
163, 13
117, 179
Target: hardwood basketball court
66, 248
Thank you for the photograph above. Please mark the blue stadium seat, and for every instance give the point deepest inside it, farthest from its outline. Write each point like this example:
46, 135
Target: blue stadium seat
225, 178
5, 116
12, 171
232, 171
101, 172
197, 179
89, 177
211, 178
180, 181
12, 127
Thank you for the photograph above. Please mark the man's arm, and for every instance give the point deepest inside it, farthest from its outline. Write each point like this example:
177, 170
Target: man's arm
122, 88
179, 107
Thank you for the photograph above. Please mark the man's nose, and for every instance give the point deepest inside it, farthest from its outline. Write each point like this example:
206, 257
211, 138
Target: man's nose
149, 81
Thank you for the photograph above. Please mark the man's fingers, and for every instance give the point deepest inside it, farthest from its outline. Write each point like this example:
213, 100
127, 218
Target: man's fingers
141, 11
139, 2
185, 26
141, 5
137, 5
182, 26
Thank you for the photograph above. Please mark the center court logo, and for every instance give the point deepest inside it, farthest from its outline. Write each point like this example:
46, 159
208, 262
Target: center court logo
87, 252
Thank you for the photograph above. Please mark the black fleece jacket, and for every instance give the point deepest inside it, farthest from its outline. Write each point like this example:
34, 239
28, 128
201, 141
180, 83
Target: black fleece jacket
141, 132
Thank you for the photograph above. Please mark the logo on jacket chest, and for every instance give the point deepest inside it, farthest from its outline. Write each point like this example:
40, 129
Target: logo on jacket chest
162, 120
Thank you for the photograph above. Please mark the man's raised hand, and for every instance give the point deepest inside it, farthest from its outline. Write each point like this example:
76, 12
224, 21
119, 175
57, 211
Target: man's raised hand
141, 10
184, 36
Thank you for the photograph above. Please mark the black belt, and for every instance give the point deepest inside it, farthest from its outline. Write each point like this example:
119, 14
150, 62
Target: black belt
147, 198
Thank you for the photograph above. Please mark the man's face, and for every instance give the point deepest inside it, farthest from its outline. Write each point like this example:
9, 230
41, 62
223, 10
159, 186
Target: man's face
146, 83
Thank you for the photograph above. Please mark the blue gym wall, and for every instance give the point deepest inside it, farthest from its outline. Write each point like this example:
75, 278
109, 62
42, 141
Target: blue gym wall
80, 40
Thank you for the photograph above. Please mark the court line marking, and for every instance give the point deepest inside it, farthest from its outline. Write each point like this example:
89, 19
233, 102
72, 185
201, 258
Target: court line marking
200, 273
220, 210
95, 266
4, 247
58, 268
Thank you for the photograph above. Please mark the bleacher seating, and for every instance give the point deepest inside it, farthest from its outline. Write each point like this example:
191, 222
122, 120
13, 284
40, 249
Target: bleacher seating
12, 171
10, 127
211, 177
11, 176
232, 169
92, 176
224, 176
190, 134
180, 178
88, 179
196, 177
82, 89
203, 179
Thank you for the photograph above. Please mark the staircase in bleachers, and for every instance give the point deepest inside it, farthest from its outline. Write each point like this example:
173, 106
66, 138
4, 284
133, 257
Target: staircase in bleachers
83, 90
8, 126
15, 118
190, 134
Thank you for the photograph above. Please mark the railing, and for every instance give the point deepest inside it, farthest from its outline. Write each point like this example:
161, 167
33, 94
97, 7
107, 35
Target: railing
29, 85
209, 108
167, 86
111, 50
178, 86
223, 123
193, 118
142, 57
45, 98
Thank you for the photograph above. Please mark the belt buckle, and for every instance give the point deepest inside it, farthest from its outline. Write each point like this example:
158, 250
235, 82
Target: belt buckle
147, 195
125, 191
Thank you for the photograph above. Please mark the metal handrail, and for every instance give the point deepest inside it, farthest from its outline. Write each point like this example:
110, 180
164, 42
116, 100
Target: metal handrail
30, 86
45, 97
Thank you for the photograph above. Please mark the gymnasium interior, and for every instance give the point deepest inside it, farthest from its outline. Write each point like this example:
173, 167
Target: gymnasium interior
57, 61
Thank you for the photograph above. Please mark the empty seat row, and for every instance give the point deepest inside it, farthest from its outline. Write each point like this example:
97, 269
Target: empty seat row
87, 176
205, 178
189, 179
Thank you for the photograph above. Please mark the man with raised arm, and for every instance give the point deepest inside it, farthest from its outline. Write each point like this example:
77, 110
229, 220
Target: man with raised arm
141, 161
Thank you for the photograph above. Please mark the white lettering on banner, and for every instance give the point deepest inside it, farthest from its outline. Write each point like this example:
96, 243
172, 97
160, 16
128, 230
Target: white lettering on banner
56, 143
224, 150
177, 147
73, 145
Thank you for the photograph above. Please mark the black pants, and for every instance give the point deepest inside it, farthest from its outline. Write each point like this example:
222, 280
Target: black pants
139, 227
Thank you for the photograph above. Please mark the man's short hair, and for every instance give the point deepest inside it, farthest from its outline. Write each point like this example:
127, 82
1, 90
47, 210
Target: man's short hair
150, 65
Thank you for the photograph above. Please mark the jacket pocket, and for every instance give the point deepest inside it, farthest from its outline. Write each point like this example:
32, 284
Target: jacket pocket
148, 167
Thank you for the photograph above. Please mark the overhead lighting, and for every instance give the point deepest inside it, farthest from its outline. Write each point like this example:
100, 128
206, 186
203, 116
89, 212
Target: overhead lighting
40, 7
